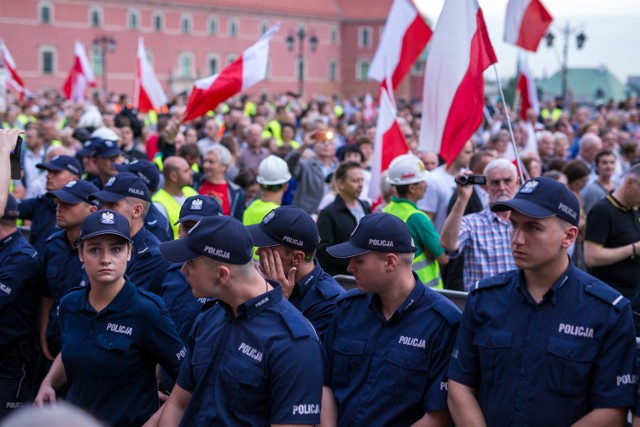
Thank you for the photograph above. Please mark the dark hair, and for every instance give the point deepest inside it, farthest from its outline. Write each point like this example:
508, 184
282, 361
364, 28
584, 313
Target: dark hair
363, 140
289, 125
402, 190
556, 165
189, 149
603, 153
575, 170
343, 168
351, 149
246, 178
229, 142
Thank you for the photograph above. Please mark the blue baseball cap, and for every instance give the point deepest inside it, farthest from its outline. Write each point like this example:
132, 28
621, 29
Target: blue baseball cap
105, 148
75, 192
222, 238
88, 148
543, 197
103, 222
197, 207
147, 171
11, 210
123, 185
286, 225
378, 232
59, 163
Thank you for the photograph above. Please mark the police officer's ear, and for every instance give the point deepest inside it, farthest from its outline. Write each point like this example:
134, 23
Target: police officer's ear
297, 258
391, 262
92, 208
570, 233
138, 210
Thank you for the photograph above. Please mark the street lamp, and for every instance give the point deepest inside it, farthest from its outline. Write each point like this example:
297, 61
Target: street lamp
107, 44
566, 32
300, 36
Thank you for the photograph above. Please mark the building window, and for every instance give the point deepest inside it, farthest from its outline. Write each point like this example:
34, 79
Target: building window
264, 26
45, 13
231, 58
134, 19
334, 35
47, 61
186, 65
213, 65
364, 37
362, 70
333, 71
213, 25
96, 60
185, 24
233, 27
157, 21
95, 17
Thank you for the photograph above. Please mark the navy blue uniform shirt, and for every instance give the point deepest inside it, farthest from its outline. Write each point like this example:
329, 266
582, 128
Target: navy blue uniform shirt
315, 297
19, 270
389, 372
547, 363
262, 367
41, 211
110, 357
157, 224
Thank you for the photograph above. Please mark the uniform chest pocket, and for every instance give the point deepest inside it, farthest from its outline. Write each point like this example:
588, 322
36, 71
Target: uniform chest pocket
111, 357
348, 356
494, 347
405, 373
246, 383
568, 364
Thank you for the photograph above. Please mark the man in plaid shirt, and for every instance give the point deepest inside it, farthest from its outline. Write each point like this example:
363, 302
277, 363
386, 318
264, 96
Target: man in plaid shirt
483, 237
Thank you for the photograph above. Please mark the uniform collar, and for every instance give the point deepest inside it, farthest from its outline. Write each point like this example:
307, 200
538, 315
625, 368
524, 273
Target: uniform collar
255, 305
556, 289
304, 284
8, 241
409, 304
140, 241
120, 302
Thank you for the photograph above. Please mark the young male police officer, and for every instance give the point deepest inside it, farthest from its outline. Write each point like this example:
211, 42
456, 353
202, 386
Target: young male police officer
389, 343
545, 344
287, 239
252, 358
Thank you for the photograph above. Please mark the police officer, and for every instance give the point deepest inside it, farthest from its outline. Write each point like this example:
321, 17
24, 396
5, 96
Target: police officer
408, 175
113, 333
252, 358
546, 344
104, 155
42, 210
62, 269
19, 269
389, 343
128, 195
287, 238
155, 222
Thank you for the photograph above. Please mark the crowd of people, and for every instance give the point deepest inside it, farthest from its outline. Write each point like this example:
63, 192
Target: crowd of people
165, 273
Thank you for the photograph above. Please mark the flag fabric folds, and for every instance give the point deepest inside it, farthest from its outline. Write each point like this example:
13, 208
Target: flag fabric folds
528, 91
404, 37
80, 75
526, 23
13, 79
250, 68
453, 96
148, 93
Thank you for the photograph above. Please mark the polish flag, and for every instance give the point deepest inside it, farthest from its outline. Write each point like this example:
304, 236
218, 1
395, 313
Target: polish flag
80, 75
405, 36
13, 78
528, 91
369, 109
526, 23
453, 96
250, 68
388, 143
148, 93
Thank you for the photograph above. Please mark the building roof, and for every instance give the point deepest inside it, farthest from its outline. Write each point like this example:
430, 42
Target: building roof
586, 84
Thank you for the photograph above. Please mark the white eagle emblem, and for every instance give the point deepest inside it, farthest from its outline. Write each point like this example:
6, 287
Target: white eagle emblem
107, 218
529, 187
71, 184
196, 205
110, 181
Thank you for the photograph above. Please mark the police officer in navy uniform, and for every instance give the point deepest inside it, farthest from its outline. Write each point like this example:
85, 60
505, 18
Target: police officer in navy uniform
62, 269
104, 155
546, 344
287, 238
42, 210
19, 269
128, 195
388, 345
113, 334
252, 358
155, 222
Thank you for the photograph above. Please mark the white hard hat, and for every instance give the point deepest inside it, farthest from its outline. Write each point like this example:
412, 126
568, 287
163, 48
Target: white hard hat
273, 171
105, 133
406, 169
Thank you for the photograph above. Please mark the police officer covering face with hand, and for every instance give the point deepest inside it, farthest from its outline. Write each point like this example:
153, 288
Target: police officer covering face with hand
546, 344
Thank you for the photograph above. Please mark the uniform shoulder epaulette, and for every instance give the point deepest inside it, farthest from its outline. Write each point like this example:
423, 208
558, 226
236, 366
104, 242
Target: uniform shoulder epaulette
55, 235
157, 300
607, 294
297, 327
447, 310
329, 288
351, 293
492, 282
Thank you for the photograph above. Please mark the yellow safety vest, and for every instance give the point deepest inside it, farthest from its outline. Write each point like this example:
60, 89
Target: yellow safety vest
171, 205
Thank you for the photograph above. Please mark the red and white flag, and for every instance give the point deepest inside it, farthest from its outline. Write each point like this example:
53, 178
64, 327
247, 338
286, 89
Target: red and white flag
405, 36
148, 93
388, 143
80, 75
453, 96
250, 68
528, 91
526, 23
369, 108
13, 79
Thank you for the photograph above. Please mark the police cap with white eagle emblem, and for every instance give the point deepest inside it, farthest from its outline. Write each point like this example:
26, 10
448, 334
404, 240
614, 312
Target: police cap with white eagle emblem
123, 185
103, 222
286, 225
197, 207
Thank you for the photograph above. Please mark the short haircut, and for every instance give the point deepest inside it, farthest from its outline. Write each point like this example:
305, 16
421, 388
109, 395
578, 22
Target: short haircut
633, 170
363, 140
134, 201
500, 164
343, 169
223, 154
189, 149
352, 149
289, 125
575, 170
246, 178
603, 153
478, 157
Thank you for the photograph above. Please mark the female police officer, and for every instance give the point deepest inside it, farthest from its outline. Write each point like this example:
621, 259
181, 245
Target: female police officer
113, 333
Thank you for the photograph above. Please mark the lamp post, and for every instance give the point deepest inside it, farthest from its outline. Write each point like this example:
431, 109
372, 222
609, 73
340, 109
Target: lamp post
107, 44
300, 36
566, 33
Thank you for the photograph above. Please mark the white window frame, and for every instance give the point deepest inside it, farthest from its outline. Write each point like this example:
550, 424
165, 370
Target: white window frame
49, 6
99, 11
361, 31
186, 17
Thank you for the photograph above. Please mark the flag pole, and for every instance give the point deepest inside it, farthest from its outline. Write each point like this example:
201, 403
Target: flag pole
513, 140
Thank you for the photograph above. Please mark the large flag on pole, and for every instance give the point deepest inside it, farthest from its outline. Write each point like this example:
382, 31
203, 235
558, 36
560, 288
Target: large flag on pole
80, 75
526, 23
148, 93
13, 79
453, 96
405, 36
250, 68
528, 91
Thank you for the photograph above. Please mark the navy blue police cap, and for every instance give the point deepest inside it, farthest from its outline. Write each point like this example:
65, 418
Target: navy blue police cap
222, 238
147, 171
88, 148
75, 192
543, 197
123, 185
378, 232
197, 207
11, 211
286, 225
105, 148
104, 222
62, 162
